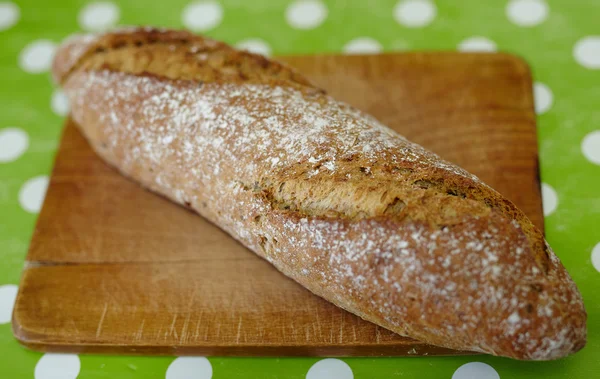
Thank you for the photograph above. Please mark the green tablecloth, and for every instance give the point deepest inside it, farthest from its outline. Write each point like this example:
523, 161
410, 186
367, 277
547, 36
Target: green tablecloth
559, 38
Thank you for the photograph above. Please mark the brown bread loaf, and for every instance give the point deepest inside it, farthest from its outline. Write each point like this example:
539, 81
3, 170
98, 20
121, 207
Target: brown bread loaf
335, 200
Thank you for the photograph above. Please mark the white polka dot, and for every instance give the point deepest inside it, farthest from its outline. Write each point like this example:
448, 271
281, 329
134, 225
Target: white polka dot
59, 103
363, 45
330, 368
9, 15
98, 16
201, 16
57, 366
415, 13
306, 14
527, 12
587, 52
549, 199
596, 257
190, 368
32, 193
255, 45
543, 97
13, 143
475, 370
37, 56
8, 294
590, 146
473, 44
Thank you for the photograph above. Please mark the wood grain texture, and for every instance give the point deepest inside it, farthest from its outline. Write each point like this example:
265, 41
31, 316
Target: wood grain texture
114, 268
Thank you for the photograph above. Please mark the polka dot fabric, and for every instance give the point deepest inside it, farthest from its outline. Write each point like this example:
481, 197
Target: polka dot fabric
201, 16
57, 366
189, 368
13, 143
330, 368
560, 39
98, 16
474, 44
254, 45
475, 370
9, 15
306, 14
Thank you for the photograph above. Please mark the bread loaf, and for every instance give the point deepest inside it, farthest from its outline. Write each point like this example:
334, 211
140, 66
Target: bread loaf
340, 203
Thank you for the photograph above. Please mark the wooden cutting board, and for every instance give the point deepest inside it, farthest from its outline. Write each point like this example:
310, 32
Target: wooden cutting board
113, 268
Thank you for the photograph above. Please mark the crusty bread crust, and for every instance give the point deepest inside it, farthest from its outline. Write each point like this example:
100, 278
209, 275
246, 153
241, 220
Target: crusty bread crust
335, 200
